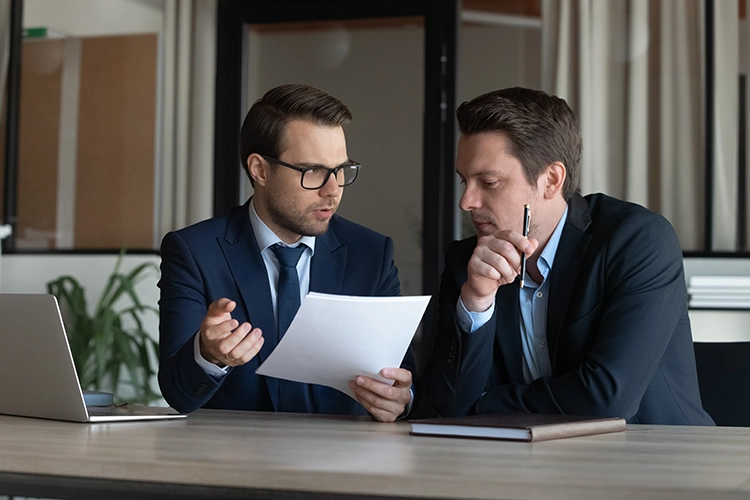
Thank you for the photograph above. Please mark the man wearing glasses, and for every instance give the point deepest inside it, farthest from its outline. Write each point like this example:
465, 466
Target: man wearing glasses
230, 285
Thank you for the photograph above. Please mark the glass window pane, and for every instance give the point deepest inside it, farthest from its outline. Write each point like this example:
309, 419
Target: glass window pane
499, 46
86, 142
116, 130
39, 126
376, 68
4, 47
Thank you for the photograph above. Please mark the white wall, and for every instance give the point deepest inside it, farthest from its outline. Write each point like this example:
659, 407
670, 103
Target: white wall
719, 326
94, 17
30, 274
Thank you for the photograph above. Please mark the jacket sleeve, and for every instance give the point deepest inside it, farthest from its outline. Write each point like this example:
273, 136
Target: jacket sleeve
458, 370
182, 306
641, 299
388, 283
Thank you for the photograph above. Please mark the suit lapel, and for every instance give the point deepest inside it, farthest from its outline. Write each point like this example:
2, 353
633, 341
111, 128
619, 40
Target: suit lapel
570, 253
249, 271
508, 329
328, 264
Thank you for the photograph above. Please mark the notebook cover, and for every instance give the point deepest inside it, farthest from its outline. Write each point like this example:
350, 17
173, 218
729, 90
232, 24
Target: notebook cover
532, 426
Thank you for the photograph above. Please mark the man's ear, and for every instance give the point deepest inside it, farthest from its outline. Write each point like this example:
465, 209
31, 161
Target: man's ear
258, 169
553, 179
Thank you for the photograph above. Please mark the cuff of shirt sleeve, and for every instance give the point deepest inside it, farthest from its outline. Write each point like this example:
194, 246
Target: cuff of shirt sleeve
469, 321
207, 366
407, 409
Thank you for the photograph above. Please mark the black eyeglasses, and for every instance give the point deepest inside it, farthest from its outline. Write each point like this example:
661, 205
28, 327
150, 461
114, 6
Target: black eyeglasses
316, 177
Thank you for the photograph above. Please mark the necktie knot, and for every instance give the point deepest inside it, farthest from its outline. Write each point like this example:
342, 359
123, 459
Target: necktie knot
288, 256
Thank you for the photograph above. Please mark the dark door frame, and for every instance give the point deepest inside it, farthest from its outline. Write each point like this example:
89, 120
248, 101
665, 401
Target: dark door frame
13, 98
440, 18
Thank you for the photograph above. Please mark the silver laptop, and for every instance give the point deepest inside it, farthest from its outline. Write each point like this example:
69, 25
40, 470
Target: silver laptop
37, 370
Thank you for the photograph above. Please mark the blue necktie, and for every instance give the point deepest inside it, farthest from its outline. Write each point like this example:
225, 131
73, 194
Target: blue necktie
287, 299
293, 396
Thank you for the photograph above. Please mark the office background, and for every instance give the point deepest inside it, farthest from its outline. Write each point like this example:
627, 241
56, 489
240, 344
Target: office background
121, 133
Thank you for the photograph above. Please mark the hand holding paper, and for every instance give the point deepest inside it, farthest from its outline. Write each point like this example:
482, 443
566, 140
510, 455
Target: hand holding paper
383, 401
334, 339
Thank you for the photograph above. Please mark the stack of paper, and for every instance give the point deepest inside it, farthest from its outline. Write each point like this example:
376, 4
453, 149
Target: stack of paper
334, 338
719, 292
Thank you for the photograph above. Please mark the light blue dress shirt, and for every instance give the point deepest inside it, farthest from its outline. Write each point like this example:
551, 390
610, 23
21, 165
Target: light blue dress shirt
533, 299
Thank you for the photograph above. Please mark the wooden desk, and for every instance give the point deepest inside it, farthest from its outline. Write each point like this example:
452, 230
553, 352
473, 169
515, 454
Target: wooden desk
261, 455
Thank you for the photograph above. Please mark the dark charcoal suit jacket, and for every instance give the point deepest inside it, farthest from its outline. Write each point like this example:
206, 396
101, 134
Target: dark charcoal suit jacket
618, 329
219, 258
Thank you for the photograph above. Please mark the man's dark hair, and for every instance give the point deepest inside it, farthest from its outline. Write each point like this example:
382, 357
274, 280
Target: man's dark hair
540, 129
263, 128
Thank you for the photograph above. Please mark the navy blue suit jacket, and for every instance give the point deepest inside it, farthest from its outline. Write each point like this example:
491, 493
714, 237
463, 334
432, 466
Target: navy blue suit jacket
219, 258
618, 331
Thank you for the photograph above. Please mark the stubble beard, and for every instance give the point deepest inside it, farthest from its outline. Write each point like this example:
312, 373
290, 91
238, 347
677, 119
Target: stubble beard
296, 222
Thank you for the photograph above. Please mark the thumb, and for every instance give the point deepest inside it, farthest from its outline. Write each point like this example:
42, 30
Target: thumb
221, 306
220, 310
534, 245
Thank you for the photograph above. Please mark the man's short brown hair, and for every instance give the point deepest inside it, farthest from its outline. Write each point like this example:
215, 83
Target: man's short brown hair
264, 125
540, 128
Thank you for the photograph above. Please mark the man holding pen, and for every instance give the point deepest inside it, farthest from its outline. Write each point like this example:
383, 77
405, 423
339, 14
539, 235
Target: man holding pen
599, 323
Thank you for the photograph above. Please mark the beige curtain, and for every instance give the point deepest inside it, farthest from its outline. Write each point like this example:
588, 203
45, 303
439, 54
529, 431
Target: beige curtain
5, 229
633, 70
186, 190
726, 124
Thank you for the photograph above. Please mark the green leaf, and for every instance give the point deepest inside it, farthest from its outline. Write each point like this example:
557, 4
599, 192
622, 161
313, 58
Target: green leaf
102, 348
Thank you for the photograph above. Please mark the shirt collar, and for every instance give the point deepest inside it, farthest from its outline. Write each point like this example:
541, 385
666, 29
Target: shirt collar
266, 237
547, 257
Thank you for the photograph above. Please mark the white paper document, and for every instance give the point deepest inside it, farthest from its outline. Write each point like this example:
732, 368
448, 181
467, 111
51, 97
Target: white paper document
334, 338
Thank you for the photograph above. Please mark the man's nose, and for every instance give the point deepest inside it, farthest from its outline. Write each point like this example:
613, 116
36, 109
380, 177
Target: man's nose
331, 188
468, 201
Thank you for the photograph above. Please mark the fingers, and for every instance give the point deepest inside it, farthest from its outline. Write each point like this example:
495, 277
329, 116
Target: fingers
502, 251
534, 245
496, 261
219, 330
235, 348
400, 376
519, 242
219, 312
220, 308
223, 340
246, 349
383, 401
500, 262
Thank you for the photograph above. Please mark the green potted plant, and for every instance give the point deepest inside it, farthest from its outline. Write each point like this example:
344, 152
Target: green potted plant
101, 342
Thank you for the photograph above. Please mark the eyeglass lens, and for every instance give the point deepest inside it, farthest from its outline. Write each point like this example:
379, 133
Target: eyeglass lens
314, 178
